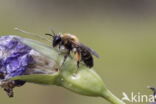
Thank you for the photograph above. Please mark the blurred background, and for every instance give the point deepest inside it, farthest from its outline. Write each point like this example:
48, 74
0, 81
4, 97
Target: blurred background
123, 32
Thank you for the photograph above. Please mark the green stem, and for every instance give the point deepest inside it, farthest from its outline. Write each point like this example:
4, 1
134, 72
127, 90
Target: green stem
111, 98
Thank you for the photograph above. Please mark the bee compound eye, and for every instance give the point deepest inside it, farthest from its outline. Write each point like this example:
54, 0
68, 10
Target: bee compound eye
56, 41
58, 38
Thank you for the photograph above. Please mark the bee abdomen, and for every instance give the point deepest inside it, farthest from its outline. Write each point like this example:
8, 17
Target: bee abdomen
87, 59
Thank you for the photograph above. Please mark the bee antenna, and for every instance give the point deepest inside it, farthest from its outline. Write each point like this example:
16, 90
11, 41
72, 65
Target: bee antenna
50, 35
53, 33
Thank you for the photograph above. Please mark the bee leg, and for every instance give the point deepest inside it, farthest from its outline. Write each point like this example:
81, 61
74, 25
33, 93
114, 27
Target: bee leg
78, 65
65, 57
59, 51
78, 58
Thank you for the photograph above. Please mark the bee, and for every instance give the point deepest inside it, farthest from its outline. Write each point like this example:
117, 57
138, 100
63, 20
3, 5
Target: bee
71, 43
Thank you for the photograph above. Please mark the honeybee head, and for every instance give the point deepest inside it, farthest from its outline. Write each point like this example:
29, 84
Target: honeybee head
56, 38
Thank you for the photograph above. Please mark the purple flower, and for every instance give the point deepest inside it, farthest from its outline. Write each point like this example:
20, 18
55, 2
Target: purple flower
154, 93
14, 60
155, 96
14, 56
18, 59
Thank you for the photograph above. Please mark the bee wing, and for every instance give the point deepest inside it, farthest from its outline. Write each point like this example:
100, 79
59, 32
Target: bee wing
90, 50
86, 48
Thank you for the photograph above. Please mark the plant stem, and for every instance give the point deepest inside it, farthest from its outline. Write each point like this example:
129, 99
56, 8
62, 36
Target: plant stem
111, 98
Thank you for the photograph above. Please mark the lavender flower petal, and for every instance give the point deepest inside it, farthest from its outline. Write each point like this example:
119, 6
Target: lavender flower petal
17, 59
14, 56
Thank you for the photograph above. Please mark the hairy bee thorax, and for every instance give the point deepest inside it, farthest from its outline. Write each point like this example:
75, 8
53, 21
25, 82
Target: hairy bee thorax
67, 36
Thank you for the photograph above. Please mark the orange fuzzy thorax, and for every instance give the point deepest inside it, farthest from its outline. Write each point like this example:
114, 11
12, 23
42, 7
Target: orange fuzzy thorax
67, 36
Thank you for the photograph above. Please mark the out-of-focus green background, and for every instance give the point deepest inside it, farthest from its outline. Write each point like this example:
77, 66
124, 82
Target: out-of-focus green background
123, 32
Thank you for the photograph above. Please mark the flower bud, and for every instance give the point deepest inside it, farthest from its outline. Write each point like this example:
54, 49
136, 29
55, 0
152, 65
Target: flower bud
85, 81
25, 60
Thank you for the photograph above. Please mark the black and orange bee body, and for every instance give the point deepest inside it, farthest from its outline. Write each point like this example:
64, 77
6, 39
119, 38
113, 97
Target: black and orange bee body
87, 58
71, 43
